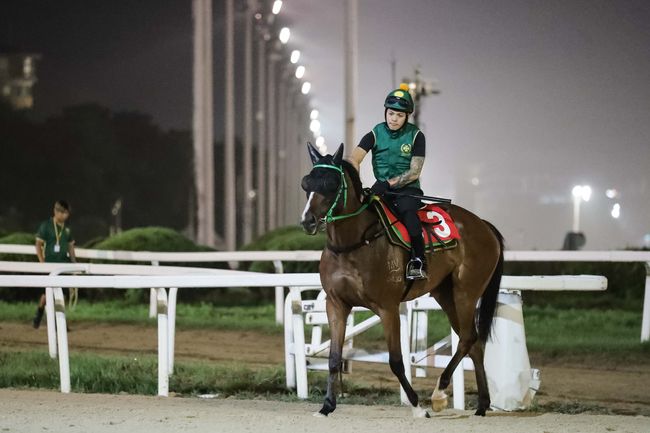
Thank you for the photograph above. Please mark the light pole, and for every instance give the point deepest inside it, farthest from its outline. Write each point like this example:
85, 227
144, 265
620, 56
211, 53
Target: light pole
580, 193
575, 239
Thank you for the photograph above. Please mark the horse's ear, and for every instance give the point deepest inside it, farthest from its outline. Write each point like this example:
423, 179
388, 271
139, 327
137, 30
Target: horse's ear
314, 154
338, 156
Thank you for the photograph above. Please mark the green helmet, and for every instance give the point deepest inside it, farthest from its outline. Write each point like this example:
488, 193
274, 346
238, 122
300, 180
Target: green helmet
400, 99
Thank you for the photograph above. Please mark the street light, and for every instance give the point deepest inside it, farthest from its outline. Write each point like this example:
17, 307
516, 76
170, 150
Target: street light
574, 240
300, 71
285, 33
314, 114
277, 5
306, 87
295, 56
580, 193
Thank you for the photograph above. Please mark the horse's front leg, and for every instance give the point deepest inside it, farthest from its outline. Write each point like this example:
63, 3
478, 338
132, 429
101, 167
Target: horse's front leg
337, 315
391, 321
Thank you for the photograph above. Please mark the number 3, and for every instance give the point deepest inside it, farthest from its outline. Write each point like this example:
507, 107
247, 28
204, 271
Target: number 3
441, 229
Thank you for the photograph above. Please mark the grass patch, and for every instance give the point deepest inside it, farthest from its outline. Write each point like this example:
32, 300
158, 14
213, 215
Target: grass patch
255, 318
612, 334
138, 375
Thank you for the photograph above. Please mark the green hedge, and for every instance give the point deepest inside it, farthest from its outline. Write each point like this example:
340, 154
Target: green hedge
290, 238
625, 284
20, 238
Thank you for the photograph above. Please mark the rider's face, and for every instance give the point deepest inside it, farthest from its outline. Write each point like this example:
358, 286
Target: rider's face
395, 119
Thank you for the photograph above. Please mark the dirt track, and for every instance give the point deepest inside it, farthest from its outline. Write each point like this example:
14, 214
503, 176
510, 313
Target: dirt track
616, 389
38, 411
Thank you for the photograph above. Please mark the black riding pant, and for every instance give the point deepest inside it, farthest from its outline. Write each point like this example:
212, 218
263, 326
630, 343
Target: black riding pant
407, 212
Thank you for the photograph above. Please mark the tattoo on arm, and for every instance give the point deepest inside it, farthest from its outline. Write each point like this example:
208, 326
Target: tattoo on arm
412, 174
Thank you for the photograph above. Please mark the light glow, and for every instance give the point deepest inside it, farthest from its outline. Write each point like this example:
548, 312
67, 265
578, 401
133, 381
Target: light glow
616, 211
314, 114
295, 56
314, 125
285, 33
581, 192
300, 71
306, 87
277, 5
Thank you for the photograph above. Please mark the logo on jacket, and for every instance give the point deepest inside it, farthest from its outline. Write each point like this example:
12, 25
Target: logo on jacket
406, 148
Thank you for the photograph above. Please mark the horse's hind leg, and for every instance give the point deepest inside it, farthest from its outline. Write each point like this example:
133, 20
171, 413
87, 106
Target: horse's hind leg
391, 321
337, 315
477, 353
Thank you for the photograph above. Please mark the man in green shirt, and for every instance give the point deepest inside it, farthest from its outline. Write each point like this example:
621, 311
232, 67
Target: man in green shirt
54, 244
398, 151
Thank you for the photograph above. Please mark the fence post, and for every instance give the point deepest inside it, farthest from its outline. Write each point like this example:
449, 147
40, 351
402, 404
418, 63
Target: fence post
163, 353
298, 322
153, 298
279, 294
62, 336
289, 343
459, 376
645, 324
171, 328
405, 342
51, 326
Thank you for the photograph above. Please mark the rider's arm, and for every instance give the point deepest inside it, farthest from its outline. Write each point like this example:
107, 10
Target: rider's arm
360, 152
417, 161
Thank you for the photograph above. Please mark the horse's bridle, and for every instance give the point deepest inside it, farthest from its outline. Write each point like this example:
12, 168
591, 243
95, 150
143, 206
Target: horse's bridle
343, 189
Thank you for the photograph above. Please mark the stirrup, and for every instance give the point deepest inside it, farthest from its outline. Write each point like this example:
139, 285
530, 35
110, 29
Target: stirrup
415, 270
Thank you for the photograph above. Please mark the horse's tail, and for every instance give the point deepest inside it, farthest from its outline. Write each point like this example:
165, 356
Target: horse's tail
489, 298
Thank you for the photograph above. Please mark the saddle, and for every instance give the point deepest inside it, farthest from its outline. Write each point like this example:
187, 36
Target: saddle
438, 229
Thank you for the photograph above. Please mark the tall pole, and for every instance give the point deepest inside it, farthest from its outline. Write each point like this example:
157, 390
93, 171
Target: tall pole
261, 133
248, 125
282, 149
272, 142
202, 123
230, 201
350, 83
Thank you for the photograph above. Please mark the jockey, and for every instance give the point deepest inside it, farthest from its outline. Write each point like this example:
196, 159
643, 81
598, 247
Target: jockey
398, 150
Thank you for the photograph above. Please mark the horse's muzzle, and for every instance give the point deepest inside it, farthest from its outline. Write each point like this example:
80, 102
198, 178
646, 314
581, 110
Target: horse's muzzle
310, 225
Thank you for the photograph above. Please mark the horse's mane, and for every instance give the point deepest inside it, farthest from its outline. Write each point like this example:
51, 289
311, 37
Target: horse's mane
354, 176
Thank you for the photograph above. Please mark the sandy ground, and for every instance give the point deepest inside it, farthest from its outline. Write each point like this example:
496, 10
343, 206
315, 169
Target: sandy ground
623, 389
39, 411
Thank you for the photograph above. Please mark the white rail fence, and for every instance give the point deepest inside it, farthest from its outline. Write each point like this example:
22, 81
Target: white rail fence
295, 349
506, 354
278, 257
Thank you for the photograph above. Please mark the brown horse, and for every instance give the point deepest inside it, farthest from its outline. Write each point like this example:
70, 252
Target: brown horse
359, 267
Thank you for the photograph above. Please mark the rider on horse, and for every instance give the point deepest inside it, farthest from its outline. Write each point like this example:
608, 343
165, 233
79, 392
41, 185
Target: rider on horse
398, 150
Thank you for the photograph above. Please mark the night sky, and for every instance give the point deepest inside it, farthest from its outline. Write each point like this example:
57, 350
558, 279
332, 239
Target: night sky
537, 96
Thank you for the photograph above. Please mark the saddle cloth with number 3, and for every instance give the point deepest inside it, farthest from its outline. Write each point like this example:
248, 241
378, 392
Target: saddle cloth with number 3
438, 229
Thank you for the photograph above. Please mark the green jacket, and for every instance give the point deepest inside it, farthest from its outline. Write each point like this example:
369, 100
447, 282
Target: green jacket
392, 152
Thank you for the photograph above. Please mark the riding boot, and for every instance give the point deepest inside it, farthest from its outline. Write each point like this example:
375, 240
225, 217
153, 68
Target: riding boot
38, 317
416, 269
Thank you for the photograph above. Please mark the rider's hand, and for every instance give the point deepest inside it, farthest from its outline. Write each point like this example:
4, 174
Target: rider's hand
380, 187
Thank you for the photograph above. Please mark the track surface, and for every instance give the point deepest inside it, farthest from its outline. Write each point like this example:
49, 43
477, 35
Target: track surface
38, 411
621, 389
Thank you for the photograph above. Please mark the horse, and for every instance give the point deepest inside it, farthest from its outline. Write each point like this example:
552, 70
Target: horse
360, 267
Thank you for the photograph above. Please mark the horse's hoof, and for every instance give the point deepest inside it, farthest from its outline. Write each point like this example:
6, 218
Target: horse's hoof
418, 412
439, 401
319, 415
480, 412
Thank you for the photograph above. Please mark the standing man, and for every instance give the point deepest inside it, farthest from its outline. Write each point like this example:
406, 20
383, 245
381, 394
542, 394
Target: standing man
54, 244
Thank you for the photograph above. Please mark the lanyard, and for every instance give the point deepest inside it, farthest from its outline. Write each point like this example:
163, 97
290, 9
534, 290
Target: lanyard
57, 233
